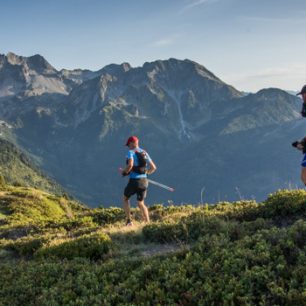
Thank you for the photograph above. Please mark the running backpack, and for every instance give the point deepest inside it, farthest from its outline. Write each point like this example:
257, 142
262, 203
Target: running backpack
142, 163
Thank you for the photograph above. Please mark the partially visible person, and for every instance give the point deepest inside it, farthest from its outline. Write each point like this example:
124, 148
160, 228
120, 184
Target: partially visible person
138, 166
301, 145
303, 94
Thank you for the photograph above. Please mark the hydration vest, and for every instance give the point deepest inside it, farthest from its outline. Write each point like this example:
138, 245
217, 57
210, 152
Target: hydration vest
142, 163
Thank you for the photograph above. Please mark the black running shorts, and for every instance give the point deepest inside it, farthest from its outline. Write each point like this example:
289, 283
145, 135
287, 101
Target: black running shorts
137, 186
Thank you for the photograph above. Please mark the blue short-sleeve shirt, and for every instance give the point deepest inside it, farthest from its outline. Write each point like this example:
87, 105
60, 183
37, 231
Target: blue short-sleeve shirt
132, 155
303, 164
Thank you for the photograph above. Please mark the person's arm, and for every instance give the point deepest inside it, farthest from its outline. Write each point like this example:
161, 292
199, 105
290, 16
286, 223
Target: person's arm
303, 112
300, 147
152, 167
128, 167
301, 144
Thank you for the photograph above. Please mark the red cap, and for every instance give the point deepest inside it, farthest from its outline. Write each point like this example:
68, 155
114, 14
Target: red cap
131, 139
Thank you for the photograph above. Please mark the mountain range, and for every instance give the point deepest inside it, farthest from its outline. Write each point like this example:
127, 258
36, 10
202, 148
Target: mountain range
208, 139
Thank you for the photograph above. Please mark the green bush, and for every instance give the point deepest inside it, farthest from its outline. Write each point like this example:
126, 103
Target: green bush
31, 206
92, 246
165, 232
159, 212
2, 181
284, 203
223, 218
266, 268
198, 224
241, 210
104, 216
25, 246
82, 222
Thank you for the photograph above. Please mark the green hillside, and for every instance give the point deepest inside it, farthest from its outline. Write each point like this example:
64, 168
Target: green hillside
55, 251
18, 169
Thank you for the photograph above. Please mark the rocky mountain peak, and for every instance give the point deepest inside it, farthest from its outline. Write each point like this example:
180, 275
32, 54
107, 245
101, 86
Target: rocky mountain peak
115, 69
276, 92
29, 76
36, 62
173, 64
40, 64
13, 59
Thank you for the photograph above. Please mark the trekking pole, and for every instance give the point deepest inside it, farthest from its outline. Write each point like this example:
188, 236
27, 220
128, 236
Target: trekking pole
161, 185
157, 184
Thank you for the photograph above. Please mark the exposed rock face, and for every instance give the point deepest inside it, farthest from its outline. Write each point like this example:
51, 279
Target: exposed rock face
28, 76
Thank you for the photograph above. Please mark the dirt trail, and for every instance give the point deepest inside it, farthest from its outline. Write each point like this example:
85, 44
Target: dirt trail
131, 242
163, 249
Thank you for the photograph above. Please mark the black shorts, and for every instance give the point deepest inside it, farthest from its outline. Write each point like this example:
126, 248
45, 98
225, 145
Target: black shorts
138, 186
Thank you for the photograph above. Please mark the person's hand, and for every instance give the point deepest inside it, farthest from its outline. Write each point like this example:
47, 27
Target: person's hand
123, 173
303, 112
300, 147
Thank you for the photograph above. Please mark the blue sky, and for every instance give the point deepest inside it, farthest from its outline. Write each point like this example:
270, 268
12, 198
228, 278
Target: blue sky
251, 44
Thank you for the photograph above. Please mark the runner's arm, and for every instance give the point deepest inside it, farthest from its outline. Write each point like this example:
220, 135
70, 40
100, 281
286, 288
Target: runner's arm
300, 146
128, 167
152, 167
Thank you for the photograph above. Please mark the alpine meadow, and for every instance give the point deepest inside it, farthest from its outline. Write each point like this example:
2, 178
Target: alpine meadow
55, 251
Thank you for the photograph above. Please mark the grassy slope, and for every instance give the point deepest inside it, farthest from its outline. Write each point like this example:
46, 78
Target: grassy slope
55, 251
18, 169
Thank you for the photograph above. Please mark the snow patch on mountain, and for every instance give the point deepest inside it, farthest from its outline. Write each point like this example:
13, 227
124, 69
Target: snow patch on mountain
176, 97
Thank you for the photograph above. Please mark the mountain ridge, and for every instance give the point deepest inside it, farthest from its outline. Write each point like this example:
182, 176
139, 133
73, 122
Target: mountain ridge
172, 105
18, 169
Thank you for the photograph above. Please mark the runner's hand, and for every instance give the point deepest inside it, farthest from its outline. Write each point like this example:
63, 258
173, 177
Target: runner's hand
300, 146
124, 173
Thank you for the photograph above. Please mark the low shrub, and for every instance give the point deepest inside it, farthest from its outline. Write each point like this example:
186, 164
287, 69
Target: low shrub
241, 210
198, 224
2, 182
284, 203
158, 212
265, 268
26, 246
81, 222
104, 216
165, 232
92, 246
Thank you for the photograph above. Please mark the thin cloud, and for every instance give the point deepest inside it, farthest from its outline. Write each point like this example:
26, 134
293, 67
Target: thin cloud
166, 41
283, 72
273, 19
195, 3
291, 76
163, 42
